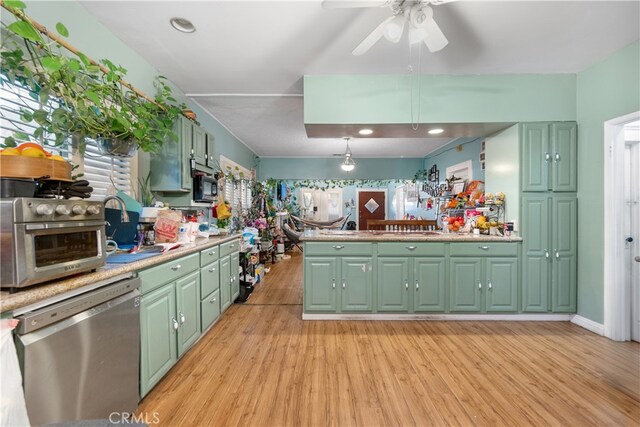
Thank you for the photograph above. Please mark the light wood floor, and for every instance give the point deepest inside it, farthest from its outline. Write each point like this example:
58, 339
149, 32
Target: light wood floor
261, 365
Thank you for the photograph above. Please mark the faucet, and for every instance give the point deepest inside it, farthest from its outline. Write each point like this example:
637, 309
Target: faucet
124, 217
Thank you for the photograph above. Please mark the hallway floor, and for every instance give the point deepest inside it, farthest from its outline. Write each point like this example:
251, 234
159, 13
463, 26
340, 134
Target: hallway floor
261, 365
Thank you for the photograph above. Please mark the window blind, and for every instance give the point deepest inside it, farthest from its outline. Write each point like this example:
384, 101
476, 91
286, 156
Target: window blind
105, 172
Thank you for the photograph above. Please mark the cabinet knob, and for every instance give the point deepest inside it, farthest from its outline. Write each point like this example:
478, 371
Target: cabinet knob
338, 247
490, 286
547, 157
212, 300
406, 285
480, 285
344, 285
212, 253
417, 285
557, 157
212, 269
174, 324
183, 318
176, 267
334, 284
546, 254
484, 248
557, 254
411, 248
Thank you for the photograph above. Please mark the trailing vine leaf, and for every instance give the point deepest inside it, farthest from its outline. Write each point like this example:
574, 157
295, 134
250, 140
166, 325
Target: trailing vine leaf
16, 4
62, 30
51, 63
25, 30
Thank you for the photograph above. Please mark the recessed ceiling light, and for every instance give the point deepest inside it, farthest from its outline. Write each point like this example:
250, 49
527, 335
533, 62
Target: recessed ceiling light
365, 131
182, 25
436, 131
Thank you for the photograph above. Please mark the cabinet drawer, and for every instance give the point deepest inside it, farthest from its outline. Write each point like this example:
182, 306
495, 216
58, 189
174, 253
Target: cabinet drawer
209, 279
209, 255
483, 249
411, 248
210, 309
338, 248
229, 247
157, 276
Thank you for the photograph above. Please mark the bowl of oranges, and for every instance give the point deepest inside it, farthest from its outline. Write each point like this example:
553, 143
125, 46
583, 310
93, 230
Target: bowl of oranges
31, 160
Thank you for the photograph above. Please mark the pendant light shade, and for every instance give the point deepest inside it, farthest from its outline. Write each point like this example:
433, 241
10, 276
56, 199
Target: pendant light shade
348, 164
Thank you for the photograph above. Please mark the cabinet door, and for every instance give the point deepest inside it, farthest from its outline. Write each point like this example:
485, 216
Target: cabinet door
225, 283
199, 145
502, 285
465, 284
428, 276
536, 249
188, 305
235, 276
209, 309
564, 239
564, 143
357, 284
535, 156
211, 150
186, 136
393, 284
320, 277
158, 329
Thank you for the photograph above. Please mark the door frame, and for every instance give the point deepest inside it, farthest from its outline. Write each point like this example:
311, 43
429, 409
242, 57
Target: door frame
617, 302
380, 190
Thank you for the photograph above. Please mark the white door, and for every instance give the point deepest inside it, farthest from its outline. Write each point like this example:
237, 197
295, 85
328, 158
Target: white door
632, 232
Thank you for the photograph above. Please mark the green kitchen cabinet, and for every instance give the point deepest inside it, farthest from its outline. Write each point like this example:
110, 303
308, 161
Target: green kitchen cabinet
549, 156
549, 231
356, 278
212, 163
209, 287
169, 316
225, 283
483, 284
171, 167
393, 284
199, 146
429, 284
320, 277
235, 276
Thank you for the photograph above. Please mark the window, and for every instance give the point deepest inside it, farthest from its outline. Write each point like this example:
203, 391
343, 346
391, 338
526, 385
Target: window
101, 171
238, 192
319, 205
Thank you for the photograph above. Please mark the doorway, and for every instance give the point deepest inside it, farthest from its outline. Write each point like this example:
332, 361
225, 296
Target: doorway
371, 204
622, 219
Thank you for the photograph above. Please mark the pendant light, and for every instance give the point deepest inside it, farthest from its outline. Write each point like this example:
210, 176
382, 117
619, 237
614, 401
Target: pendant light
348, 164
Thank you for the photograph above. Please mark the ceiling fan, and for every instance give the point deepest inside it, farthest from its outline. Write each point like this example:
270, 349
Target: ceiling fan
348, 164
418, 13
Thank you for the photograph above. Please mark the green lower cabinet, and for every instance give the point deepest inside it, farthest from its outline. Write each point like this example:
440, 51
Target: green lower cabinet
158, 330
429, 283
465, 284
210, 309
393, 284
235, 276
356, 285
320, 276
484, 284
225, 283
502, 285
188, 305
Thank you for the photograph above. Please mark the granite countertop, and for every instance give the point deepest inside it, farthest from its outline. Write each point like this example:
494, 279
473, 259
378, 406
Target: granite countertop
40, 292
398, 236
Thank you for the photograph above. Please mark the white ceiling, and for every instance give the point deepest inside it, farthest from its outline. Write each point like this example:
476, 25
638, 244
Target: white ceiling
265, 47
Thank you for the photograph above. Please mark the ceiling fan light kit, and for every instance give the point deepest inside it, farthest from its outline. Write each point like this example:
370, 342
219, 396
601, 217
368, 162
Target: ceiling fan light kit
418, 14
348, 164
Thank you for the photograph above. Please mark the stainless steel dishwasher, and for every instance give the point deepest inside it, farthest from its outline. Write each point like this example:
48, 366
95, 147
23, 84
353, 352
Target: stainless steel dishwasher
80, 356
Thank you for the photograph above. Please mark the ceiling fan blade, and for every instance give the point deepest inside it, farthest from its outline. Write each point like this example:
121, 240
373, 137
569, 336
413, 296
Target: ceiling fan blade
372, 38
435, 40
395, 28
347, 4
416, 35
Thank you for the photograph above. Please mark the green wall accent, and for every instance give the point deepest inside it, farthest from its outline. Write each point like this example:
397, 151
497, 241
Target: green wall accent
605, 91
345, 99
329, 168
91, 37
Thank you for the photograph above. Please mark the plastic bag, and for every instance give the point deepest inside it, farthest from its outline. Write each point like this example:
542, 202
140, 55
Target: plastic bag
222, 210
13, 411
167, 226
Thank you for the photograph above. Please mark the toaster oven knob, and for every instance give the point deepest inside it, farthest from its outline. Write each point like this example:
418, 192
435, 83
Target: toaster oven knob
63, 210
93, 210
44, 210
78, 210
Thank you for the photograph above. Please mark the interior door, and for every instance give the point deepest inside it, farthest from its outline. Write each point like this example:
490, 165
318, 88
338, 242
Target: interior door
371, 205
632, 232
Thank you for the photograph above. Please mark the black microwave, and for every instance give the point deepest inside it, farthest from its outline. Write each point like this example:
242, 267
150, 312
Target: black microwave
205, 189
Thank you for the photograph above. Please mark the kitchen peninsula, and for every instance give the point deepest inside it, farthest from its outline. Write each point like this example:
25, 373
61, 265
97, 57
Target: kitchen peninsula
413, 275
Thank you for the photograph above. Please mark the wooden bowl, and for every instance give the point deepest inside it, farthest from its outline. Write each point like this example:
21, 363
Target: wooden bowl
34, 168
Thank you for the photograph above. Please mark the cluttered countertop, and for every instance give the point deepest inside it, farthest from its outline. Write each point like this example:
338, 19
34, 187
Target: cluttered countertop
394, 236
37, 293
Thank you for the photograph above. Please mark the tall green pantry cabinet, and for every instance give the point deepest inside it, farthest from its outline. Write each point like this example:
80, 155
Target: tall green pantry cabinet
549, 216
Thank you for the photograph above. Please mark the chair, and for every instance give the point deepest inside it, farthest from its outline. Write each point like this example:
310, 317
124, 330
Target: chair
402, 224
292, 236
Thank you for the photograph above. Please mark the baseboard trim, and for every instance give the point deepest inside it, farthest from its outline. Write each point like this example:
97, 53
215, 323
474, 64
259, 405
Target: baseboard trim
588, 324
492, 317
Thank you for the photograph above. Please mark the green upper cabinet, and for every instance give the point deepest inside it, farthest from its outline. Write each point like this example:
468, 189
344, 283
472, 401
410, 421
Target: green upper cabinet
549, 156
357, 284
199, 146
170, 168
393, 284
320, 277
429, 284
211, 160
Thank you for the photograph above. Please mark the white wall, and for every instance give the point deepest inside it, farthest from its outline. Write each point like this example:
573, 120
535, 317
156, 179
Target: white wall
502, 173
